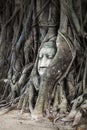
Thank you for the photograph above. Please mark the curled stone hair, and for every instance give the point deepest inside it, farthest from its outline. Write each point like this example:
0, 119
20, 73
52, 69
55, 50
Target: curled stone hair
51, 43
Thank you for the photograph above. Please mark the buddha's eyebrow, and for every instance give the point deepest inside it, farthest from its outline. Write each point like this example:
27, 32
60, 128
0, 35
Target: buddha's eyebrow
50, 54
40, 54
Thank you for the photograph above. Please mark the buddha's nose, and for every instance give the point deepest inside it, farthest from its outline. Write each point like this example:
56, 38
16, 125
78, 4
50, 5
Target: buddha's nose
43, 62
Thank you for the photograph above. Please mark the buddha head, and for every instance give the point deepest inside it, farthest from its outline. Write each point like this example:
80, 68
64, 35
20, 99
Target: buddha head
46, 54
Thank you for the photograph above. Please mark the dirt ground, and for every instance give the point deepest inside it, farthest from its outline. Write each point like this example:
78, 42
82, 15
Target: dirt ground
14, 121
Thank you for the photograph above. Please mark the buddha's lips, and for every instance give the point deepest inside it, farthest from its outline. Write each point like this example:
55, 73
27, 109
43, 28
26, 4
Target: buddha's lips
43, 68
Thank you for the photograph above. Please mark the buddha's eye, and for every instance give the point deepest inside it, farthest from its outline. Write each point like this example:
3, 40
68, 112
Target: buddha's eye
40, 57
49, 56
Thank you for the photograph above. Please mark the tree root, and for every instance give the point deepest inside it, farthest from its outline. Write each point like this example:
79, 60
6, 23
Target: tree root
77, 118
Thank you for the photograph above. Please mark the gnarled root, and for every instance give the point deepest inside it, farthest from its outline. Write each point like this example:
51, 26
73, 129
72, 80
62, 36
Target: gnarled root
70, 117
77, 118
23, 100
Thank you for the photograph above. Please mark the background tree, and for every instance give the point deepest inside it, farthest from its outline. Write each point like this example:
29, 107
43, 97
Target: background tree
25, 25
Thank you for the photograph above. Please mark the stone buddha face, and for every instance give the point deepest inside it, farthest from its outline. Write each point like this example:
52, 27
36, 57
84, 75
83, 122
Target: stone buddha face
46, 55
